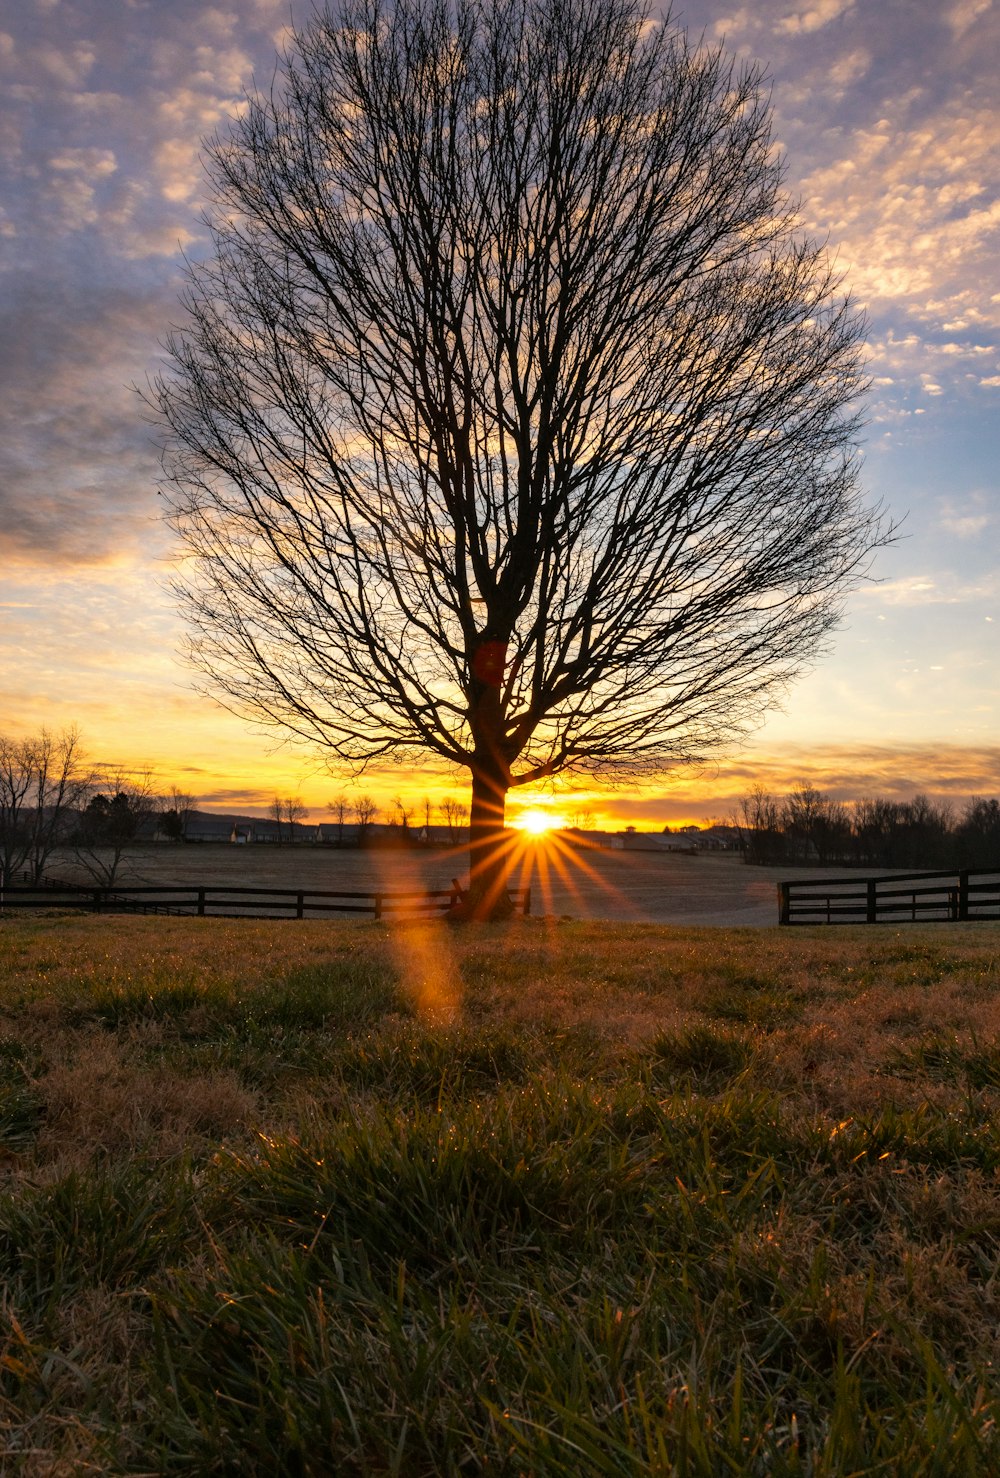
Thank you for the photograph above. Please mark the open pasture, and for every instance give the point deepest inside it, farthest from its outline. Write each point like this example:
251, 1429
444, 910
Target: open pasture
583, 883
556, 1198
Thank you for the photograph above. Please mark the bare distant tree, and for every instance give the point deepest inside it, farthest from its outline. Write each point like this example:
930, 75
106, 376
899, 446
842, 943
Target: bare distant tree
340, 807
513, 422
873, 823
287, 811
456, 816
400, 815
277, 815
295, 812
175, 813
120, 804
760, 821
923, 832
16, 772
977, 838
43, 780
365, 814
816, 826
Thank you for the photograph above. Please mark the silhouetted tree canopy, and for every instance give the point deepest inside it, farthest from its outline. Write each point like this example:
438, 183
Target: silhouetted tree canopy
512, 422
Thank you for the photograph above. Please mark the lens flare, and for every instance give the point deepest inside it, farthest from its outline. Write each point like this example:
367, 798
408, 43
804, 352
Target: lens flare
537, 822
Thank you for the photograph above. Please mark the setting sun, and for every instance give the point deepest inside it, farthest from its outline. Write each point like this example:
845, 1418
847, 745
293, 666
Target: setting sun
537, 822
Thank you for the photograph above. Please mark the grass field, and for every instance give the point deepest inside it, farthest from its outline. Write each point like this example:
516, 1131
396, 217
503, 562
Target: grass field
558, 1198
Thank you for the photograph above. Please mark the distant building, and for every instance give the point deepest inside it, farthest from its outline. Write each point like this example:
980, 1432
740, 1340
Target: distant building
721, 838
653, 841
201, 827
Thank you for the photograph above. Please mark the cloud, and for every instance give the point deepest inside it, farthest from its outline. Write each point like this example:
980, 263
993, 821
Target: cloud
190, 116
69, 65
905, 362
251, 799
818, 15
851, 67
76, 175
910, 211
76, 464
969, 518
178, 164
739, 21
91, 162
965, 13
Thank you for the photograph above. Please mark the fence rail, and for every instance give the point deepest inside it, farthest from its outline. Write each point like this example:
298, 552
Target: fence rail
930, 897
216, 900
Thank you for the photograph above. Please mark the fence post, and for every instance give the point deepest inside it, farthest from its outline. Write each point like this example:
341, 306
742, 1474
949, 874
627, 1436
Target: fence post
527, 901
784, 903
378, 906
871, 903
963, 896
201, 902
97, 900
299, 900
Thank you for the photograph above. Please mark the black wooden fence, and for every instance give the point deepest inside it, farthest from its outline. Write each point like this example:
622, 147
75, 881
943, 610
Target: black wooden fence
930, 897
216, 900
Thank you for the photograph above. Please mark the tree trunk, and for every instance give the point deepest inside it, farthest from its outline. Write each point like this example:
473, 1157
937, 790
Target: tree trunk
489, 845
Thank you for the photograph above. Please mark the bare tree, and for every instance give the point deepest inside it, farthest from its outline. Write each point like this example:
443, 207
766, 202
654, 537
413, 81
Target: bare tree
295, 812
287, 811
276, 811
873, 824
400, 815
175, 813
365, 814
456, 816
512, 422
760, 821
977, 836
815, 826
120, 804
17, 768
42, 781
340, 806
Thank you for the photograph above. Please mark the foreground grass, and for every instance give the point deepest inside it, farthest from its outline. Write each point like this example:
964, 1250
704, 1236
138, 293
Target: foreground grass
563, 1198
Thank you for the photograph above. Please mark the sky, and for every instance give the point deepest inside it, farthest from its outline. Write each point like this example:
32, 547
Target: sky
886, 113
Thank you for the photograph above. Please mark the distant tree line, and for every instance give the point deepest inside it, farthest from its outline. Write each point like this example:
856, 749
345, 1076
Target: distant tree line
356, 818
807, 826
54, 800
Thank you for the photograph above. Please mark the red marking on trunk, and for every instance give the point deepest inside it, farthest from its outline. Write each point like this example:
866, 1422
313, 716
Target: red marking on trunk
489, 661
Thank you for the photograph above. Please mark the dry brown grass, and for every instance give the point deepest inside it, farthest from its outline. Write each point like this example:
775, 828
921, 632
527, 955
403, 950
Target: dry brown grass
101, 1098
130, 1044
827, 1008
